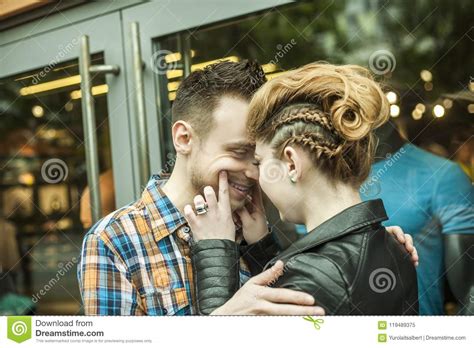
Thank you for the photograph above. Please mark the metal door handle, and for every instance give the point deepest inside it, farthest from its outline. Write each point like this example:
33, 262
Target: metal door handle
140, 111
88, 119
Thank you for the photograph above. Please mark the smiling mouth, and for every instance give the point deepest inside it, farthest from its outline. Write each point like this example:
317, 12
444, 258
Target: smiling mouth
244, 190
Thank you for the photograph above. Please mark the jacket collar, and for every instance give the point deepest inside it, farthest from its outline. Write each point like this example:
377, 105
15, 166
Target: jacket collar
350, 220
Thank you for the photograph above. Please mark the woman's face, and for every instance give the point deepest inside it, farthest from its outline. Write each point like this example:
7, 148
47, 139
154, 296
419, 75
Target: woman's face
274, 179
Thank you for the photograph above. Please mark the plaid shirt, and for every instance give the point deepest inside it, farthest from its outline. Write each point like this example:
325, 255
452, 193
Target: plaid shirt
136, 260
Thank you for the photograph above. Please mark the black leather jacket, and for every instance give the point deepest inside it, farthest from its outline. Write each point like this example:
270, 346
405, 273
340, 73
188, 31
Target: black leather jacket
350, 265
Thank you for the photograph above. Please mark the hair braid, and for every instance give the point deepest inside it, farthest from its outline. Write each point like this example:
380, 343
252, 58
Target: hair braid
309, 113
316, 144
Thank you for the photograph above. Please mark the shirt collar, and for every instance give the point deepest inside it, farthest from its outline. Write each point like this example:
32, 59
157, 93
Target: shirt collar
165, 218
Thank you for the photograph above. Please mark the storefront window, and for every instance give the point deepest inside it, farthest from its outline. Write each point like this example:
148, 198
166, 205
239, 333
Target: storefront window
42, 177
409, 46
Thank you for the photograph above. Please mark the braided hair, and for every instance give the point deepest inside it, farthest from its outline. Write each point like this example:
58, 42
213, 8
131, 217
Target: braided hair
328, 110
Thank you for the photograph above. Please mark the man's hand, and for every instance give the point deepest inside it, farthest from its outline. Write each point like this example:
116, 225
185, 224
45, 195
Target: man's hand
256, 298
406, 240
217, 222
253, 218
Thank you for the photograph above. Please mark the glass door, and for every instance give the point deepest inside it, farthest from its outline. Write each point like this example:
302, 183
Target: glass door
175, 41
46, 191
164, 31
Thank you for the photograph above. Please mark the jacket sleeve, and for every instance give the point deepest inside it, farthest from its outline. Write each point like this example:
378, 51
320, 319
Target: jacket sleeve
309, 273
257, 255
216, 273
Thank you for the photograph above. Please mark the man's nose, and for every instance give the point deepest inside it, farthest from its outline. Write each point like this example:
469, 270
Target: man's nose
252, 171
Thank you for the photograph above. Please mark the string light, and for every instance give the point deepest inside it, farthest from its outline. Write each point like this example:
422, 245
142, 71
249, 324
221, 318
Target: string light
448, 103
37, 111
438, 111
416, 114
394, 110
420, 107
426, 75
391, 97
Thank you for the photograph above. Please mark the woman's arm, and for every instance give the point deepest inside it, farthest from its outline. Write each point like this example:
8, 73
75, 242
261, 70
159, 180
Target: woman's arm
216, 273
257, 255
215, 254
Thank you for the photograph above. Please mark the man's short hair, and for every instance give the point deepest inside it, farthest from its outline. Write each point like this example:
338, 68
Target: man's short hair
199, 93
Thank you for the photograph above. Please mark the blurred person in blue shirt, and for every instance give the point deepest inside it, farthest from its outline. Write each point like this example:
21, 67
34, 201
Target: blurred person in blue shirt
432, 199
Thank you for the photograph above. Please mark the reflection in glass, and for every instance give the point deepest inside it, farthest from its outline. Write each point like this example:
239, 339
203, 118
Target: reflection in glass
42, 177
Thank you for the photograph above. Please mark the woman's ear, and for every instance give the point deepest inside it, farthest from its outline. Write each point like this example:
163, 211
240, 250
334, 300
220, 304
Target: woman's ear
182, 134
293, 161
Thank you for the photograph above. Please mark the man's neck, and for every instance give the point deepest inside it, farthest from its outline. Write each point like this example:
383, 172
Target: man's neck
179, 190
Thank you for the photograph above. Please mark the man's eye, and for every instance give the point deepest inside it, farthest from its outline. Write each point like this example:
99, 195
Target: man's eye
240, 153
256, 163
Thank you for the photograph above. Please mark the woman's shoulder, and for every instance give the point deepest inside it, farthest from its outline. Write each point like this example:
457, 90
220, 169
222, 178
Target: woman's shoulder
318, 275
314, 268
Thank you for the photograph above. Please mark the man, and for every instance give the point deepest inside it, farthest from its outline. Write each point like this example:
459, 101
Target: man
433, 199
136, 261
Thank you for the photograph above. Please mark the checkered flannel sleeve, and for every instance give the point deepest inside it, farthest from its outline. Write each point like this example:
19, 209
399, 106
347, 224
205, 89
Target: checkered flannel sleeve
104, 281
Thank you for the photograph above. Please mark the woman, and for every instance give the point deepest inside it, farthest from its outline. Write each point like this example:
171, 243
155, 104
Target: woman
314, 146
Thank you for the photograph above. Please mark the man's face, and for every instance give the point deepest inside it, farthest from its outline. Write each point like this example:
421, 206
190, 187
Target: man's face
226, 147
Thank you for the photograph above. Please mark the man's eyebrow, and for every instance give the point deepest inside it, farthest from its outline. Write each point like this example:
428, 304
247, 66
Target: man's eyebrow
240, 145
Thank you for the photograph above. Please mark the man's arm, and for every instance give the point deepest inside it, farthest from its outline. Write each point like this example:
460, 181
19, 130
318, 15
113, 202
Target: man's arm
453, 206
104, 282
459, 259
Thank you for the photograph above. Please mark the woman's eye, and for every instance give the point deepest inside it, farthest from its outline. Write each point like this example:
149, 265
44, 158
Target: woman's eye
256, 163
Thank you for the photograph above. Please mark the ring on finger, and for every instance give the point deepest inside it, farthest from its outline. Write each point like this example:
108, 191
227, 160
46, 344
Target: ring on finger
201, 208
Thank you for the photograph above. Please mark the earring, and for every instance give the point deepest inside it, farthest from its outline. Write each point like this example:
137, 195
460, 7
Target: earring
291, 175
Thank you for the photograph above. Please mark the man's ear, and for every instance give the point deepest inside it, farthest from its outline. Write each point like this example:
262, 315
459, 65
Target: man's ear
293, 162
183, 137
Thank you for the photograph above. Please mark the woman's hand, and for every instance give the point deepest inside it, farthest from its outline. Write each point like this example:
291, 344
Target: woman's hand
255, 297
216, 222
253, 218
